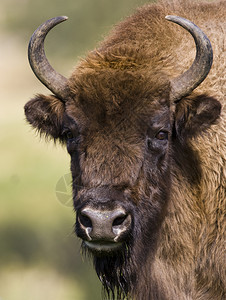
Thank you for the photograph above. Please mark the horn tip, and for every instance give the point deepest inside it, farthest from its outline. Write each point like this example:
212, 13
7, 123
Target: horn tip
170, 17
63, 18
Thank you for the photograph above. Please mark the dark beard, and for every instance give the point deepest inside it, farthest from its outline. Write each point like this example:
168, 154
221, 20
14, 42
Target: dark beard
114, 272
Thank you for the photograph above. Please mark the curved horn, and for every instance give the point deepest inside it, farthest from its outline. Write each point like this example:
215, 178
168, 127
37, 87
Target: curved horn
189, 80
55, 82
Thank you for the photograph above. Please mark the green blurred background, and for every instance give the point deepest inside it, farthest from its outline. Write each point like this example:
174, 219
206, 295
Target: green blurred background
39, 254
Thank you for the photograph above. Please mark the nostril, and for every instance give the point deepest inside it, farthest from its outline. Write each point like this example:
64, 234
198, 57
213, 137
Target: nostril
119, 220
121, 226
85, 221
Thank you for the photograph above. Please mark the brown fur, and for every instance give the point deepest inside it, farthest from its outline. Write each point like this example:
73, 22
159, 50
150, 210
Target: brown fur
115, 92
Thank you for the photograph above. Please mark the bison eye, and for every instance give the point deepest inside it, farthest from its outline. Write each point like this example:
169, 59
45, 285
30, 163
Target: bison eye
71, 140
69, 135
162, 135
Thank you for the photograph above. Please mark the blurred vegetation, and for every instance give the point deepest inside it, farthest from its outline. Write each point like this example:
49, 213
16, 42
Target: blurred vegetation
88, 20
39, 253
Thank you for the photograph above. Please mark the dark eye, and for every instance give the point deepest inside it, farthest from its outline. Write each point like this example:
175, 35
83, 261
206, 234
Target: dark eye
69, 135
162, 135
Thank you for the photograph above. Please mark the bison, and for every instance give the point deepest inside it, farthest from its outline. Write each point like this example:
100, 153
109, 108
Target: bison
144, 127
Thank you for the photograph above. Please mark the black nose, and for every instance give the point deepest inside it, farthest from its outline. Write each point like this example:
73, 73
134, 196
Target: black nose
104, 225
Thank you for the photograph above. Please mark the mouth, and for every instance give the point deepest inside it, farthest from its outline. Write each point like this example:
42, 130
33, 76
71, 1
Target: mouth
103, 246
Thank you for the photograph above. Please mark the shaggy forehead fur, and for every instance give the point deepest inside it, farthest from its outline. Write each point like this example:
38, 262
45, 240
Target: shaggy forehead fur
114, 88
113, 110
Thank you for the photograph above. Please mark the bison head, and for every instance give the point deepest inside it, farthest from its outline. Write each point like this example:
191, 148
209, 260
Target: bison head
125, 124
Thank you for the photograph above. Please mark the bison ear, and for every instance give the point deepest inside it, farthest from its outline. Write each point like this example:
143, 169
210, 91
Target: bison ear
45, 113
194, 115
